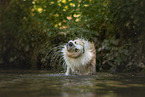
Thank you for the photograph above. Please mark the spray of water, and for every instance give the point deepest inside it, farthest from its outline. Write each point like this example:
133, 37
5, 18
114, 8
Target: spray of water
55, 57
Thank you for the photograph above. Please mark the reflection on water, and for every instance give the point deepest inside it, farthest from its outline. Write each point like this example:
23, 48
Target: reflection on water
59, 85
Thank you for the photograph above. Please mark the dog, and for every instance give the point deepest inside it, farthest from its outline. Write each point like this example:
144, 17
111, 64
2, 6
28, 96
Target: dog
80, 57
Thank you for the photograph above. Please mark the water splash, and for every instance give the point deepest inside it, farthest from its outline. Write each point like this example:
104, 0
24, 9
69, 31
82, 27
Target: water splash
55, 57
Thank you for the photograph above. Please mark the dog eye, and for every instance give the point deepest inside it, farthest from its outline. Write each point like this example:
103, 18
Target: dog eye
76, 50
75, 42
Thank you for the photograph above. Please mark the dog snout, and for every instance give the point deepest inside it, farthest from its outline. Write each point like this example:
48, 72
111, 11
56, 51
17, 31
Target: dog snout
70, 44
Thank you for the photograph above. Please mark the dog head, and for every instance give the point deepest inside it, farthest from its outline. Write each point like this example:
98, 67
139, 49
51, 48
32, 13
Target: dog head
75, 48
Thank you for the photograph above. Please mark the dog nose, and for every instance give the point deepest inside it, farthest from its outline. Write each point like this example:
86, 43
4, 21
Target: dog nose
70, 44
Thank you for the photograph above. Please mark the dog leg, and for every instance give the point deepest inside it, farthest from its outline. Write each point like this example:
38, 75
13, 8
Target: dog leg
68, 71
94, 65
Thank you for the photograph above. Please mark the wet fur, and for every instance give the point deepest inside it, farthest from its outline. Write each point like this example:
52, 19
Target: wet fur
85, 62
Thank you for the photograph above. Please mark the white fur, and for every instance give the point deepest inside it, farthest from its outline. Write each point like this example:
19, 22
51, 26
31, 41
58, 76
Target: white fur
79, 62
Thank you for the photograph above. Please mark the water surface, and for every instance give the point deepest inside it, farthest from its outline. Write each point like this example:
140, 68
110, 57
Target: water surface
59, 85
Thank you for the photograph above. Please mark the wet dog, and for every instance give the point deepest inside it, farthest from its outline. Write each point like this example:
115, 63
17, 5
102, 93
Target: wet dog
80, 57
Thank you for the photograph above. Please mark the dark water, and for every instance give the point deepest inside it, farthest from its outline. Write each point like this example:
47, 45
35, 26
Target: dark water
59, 85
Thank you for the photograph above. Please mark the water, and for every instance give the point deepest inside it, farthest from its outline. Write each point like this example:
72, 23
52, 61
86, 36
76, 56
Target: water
59, 85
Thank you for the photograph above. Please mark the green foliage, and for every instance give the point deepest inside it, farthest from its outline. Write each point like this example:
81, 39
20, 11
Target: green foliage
127, 17
29, 29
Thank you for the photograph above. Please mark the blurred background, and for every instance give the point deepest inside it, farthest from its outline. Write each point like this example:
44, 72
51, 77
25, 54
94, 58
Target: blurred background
29, 29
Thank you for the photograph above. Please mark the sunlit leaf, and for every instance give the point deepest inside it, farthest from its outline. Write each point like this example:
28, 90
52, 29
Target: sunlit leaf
40, 10
63, 1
